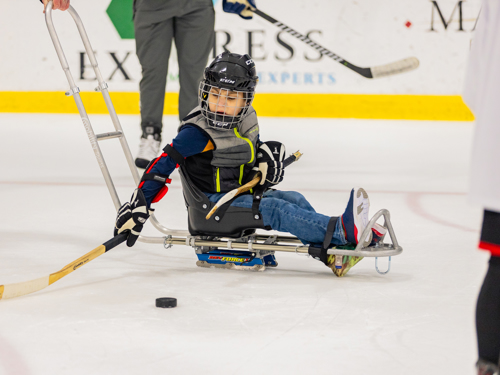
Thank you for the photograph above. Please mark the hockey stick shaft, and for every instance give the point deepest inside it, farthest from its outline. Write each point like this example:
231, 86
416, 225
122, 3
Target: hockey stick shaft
374, 72
27, 287
305, 39
249, 185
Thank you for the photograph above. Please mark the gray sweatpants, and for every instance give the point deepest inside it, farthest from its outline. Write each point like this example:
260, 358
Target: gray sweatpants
190, 23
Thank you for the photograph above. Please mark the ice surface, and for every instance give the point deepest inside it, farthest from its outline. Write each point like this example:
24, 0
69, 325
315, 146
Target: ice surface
298, 318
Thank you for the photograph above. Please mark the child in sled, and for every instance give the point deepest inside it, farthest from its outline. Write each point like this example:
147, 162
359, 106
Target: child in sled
218, 146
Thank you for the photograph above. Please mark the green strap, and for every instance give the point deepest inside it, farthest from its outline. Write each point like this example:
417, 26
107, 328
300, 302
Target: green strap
242, 168
249, 142
218, 181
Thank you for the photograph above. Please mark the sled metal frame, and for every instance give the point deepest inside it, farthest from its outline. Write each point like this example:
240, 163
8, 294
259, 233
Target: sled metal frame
291, 244
253, 243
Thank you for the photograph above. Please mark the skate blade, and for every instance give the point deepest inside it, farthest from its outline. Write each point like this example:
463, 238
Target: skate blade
347, 263
231, 266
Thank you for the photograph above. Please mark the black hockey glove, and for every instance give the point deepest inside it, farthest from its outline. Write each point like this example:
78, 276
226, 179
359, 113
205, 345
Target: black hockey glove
132, 216
270, 156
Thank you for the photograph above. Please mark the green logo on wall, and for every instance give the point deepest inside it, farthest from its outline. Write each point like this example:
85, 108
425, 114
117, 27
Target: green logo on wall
120, 13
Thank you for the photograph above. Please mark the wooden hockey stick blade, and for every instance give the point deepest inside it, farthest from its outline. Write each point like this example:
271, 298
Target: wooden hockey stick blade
27, 287
233, 193
397, 67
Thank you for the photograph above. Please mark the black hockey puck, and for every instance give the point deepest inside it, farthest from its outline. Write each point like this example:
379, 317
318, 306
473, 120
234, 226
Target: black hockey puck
166, 302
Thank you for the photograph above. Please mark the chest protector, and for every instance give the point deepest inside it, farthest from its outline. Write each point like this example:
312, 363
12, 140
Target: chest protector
224, 168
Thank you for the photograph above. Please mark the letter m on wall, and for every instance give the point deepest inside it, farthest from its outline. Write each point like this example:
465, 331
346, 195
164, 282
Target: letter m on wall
435, 8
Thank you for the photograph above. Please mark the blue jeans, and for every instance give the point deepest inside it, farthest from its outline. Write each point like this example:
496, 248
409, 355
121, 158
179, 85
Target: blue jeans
289, 211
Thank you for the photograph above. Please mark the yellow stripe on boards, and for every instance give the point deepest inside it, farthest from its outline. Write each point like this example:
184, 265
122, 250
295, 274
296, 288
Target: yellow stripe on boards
393, 107
360, 106
1, 291
125, 103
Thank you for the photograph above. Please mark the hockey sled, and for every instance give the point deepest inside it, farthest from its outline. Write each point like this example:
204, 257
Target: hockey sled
231, 242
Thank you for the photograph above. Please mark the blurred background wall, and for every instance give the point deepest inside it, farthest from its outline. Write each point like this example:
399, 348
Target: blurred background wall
295, 80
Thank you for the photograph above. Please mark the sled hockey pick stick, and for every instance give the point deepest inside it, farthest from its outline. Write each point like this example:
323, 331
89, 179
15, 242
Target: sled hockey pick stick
21, 289
233, 193
396, 67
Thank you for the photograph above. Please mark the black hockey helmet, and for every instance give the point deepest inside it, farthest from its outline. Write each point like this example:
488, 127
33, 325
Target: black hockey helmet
228, 73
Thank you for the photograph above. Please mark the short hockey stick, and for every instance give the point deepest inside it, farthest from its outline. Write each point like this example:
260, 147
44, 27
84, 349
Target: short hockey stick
21, 289
396, 67
235, 192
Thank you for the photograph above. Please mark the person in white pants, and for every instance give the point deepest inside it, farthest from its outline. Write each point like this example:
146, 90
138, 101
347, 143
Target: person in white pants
482, 94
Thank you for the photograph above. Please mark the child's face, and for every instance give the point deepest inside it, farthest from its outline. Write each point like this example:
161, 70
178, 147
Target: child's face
226, 102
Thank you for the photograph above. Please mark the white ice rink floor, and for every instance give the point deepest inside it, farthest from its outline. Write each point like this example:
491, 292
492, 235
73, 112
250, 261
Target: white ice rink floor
296, 319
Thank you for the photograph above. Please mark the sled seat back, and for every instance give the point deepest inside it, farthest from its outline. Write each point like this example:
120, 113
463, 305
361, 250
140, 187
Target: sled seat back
228, 221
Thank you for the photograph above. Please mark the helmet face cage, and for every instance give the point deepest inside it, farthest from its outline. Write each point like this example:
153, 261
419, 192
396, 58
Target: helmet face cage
224, 108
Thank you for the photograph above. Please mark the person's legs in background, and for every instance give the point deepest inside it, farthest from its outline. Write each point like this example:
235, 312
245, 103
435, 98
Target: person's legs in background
488, 302
488, 320
194, 39
153, 45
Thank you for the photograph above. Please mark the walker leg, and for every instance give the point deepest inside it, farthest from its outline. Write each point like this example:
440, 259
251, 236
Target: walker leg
388, 267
